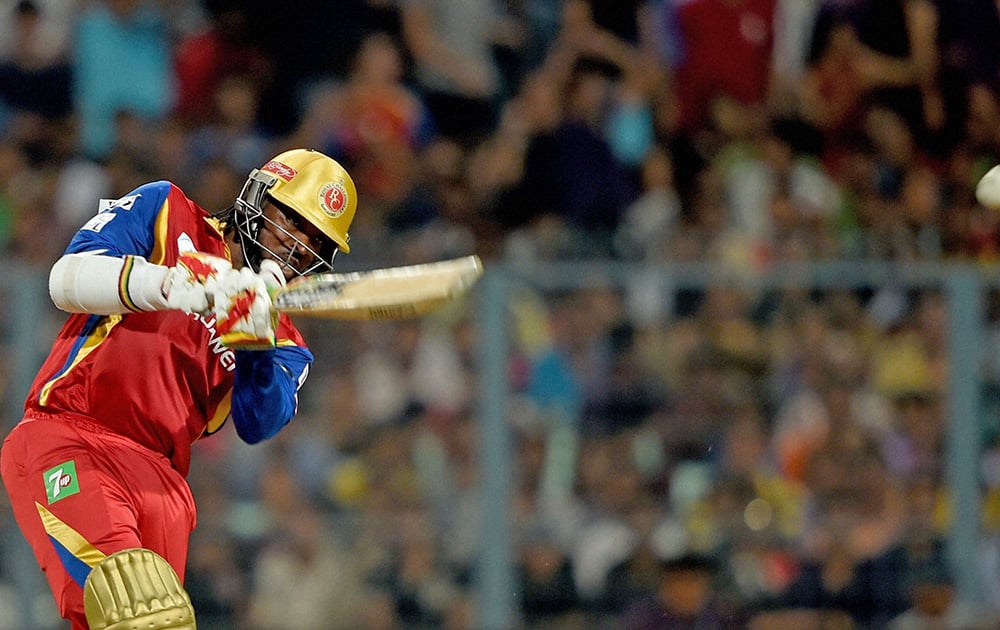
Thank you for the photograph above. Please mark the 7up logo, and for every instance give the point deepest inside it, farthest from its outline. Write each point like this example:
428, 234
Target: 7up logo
61, 482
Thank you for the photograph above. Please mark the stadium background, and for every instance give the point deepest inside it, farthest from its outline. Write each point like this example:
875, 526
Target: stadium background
736, 350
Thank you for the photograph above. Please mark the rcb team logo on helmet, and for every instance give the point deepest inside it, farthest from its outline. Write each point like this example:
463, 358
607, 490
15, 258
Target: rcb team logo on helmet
333, 199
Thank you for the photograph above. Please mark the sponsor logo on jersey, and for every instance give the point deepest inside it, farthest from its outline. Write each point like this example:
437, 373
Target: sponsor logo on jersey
98, 221
333, 199
125, 203
283, 171
61, 481
227, 357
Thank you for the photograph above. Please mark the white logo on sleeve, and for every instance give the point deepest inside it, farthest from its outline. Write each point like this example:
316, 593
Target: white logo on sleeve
98, 221
125, 203
104, 212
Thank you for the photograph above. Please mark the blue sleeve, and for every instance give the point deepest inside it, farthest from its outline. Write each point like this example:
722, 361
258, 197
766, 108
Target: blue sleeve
123, 226
265, 390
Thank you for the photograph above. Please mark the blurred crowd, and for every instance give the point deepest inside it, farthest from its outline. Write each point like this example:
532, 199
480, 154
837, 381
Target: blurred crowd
719, 457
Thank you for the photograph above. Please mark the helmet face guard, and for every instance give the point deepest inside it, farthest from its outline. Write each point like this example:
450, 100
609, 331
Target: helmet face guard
305, 186
249, 218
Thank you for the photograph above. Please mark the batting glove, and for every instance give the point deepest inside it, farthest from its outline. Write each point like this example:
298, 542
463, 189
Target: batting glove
190, 284
244, 316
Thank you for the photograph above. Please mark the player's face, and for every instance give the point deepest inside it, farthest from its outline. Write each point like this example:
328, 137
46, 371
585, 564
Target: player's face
290, 239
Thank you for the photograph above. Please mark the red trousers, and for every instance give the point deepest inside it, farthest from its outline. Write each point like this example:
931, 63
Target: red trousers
80, 493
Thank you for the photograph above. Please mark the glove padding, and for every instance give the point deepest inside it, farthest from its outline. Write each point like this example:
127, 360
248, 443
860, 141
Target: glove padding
189, 286
244, 316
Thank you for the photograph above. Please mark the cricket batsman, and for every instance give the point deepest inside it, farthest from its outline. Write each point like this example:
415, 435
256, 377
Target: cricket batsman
171, 332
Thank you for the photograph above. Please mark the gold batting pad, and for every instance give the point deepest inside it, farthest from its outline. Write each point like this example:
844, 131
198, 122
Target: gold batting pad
136, 589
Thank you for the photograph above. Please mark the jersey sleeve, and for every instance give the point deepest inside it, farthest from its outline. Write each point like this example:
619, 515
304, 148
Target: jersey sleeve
265, 390
123, 226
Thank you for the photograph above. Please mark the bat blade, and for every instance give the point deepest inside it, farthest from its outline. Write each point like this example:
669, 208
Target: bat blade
390, 293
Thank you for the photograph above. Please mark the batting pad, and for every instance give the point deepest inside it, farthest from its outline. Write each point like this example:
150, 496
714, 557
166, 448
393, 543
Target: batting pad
133, 589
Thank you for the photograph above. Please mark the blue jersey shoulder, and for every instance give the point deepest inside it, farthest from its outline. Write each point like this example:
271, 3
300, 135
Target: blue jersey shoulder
125, 225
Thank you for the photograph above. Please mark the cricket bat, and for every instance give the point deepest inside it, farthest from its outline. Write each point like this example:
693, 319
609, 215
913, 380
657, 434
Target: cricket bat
391, 293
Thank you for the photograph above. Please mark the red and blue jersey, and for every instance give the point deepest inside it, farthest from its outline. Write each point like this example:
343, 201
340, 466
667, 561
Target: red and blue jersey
162, 379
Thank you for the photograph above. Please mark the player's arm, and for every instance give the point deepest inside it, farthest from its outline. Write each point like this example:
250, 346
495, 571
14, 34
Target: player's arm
96, 283
102, 284
268, 377
92, 282
265, 390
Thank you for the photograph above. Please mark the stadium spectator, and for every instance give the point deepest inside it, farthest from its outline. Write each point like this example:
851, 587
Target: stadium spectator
201, 60
451, 45
107, 82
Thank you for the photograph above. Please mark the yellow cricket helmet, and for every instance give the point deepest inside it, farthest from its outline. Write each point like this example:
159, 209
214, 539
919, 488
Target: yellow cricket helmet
311, 184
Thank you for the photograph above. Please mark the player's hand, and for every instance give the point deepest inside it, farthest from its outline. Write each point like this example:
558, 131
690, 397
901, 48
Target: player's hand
244, 316
190, 284
274, 277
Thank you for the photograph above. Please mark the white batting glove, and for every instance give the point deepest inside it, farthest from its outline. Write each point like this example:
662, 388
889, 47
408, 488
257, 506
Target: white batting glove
274, 277
191, 283
244, 316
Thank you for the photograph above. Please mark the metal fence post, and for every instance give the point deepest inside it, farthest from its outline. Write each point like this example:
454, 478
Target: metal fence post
495, 581
965, 320
26, 290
